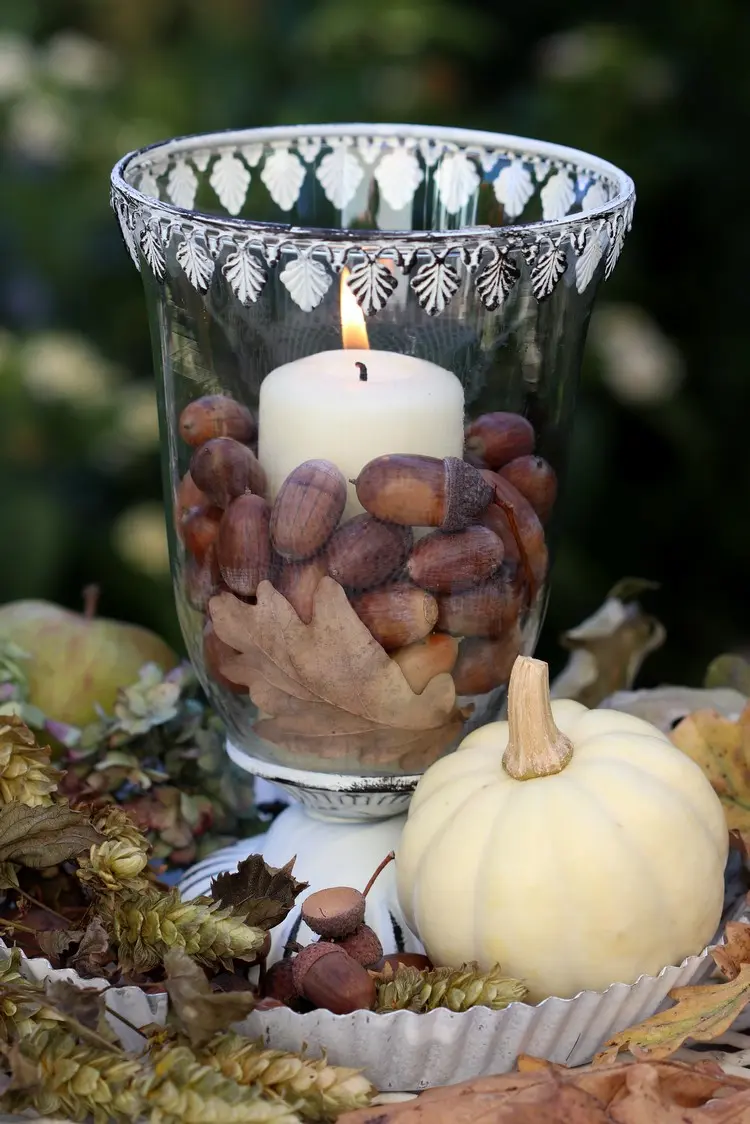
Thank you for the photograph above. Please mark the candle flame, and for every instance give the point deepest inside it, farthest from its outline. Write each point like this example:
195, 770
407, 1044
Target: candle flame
353, 329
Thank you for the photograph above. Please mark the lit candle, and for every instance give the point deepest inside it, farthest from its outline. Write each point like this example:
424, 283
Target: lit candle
353, 405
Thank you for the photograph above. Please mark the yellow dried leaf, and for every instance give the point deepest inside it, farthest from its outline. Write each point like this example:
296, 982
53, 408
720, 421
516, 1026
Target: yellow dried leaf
735, 952
722, 749
701, 1012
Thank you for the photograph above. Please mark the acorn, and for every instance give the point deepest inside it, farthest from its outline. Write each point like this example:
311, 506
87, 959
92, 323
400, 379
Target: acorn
484, 664
494, 439
422, 661
200, 528
397, 615
202, 579
243, 548
187, 496
334, 912
534, 558
297, 582
364, 552
495, 518
279, 982
403, 959
363, 945
326, 975
419, 491
444, 563
485, 610
216, 652
215, 415
535, 479
225, 469
307, 508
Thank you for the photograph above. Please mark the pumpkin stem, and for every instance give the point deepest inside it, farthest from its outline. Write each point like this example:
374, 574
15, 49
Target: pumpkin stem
536, 748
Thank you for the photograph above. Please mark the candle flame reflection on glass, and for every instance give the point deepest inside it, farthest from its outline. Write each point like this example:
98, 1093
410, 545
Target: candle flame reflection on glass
353, 328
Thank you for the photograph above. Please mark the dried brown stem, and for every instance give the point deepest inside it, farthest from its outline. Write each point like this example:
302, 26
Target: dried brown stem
376, 874
536, 748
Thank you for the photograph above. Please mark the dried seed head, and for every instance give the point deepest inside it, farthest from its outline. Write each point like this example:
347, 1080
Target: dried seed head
334, 912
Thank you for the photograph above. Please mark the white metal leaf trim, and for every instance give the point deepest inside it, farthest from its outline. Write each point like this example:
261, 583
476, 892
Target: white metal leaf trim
149, 185
616, 239
548, 263
595, 197
125, 219
196, 264
306, 280
230, 180
588, 262
513, 188
283, 174
372, 284
309, 147
434, 283
182, 185
153, 251
497, 280
246, 274
340, 173
398, 176
369, 149
558, 195
252, 154
457, 179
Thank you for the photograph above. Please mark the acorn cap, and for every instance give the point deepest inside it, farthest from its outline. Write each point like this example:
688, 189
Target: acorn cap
307, 956
334, 912
363, 945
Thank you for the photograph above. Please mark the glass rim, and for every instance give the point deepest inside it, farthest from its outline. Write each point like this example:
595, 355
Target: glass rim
576, 160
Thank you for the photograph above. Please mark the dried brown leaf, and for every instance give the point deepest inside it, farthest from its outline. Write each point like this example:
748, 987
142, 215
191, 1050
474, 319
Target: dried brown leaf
735, 951
94, 955
328, 681
722, 749
84, 1004
200, 1011
8, 876
56, 942
266, 893
41, 837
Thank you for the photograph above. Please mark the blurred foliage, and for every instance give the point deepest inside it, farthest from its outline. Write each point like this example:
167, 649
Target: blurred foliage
658, 482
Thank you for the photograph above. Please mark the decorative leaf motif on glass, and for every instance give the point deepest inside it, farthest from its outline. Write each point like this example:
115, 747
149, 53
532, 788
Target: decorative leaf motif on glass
541, 169
558, 195
456, 179
306, 280
595, 196
308, 148
588, 261
153, 250
182, 185
495, 283
201, 157
252, 154
435, 282
283, 174
513, 188
548, 263
195, 262
431, 151
148, 184
398, 175
340, 173
246, 274
372, 284
488, 158
128, 236
230, 180
369, 148
616, 240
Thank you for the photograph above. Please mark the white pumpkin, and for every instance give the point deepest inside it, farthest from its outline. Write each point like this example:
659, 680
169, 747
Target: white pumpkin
575, 847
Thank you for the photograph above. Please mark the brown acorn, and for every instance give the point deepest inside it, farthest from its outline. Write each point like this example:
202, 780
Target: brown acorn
495, 518
418, 491
216, 652
224, 469
485, 610
484, 664
535, 479
307, 508
363, 945
534, 557
494, 439
397, 615
215, 415
334, 912
279, 982
422, 661
406, 959
364, 552
330, 978
202, 579
187, 496
243, 548
297, 581
200, 528
445, 563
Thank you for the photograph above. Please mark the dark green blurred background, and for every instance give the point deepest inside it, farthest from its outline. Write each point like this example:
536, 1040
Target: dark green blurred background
660, 478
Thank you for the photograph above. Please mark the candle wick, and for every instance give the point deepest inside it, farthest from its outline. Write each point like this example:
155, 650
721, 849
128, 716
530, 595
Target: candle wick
362, 372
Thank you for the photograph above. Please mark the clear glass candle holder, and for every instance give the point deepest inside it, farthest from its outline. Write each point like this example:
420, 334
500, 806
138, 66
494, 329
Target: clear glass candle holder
367, 340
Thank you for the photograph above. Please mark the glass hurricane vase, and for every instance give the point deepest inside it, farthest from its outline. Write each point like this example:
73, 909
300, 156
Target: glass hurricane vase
367, 341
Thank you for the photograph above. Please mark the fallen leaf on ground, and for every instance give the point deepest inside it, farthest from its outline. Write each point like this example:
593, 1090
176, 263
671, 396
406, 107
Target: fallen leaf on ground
608, 648
328, 687
267, 893
41, 837
735, 951
701, 1012
722, 749
201, 1011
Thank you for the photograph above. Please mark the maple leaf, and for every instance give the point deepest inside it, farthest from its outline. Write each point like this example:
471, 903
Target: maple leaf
40, 837
267, 893
328, 688
701, 1012
201, 1012
722, 749
735, 951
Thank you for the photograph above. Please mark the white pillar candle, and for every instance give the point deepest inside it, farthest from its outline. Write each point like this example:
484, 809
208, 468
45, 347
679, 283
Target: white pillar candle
321, 407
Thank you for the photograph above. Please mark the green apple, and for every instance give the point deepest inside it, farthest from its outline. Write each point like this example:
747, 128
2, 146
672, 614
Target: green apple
77, 660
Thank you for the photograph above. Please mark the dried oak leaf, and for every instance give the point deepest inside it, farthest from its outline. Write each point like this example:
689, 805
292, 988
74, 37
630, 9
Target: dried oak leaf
329, 688
94, 955
267, 893
200, 1011
8, 876
56, 942
701, 1012
735, 951
722, 749
41, 837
